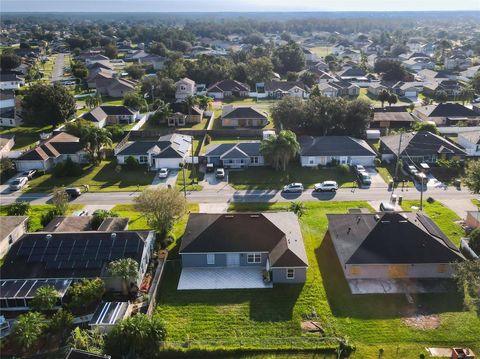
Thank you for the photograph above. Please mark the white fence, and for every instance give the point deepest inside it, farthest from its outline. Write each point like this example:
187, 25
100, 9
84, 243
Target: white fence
457, 130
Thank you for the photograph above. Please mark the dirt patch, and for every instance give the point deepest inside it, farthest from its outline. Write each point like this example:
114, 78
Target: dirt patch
312, 327
423, 322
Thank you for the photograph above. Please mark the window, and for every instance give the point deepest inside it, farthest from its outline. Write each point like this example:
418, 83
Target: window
11, 122
210, 258
290, 273
254, 258
254, 160
182, 88
142, 159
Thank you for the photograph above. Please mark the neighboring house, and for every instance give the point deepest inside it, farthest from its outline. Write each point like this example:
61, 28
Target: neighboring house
13, 227
391, 117
228, 88
392, 252
353, 74
344, 150
470, 141
279, 89
184, 88
376, 87
243, 117
242, 250
10, 81
6, 144
60, 258
428, 75
51, 152
354, 55
84, 223
309, 55
102, 116
447, 114
418, 63
457, 61
340, 47
99, 74
339, 89
473, 219
409, 90
419, 147
181, 115
167, 151
470, 72
90, 60
451, 87
114, 87
8, 111
235, 155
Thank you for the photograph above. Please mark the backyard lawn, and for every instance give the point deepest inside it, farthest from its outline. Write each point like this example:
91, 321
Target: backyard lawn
25, 136
443, 216
268, 178
321, 51
106, 177
234, 319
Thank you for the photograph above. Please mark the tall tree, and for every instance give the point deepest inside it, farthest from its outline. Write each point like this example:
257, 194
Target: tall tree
383, 96
28, 328
94, 139
126, 269
467, 276
60, 200
440, 96
260, 70
9, 61
110, 51
472, 176
289, 57
289, 113
392, 99
466, 94
280, 149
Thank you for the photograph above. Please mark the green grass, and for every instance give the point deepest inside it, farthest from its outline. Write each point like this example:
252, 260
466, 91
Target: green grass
153, 125
444, 217
106, 177
190, 178
231, 317
321, 51
387, 172
25, 136
476, 202
268, 178
37, 211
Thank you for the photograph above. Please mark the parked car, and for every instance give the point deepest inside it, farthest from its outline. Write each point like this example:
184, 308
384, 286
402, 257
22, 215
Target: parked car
220, 173
326, 186
29, 174
359, 168
18, 183
210, 168
293, 187
364, 179
163, 173
73, 192
387, 207
410, 169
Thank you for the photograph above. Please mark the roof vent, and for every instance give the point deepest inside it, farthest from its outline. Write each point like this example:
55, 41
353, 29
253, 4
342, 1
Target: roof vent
377, 217
48, 236
254, 216
113, 235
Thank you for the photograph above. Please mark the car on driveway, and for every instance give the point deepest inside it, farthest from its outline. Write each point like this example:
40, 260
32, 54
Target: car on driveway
163, 173
411, 170
326, 186
73, 192
359, 168
364, 179
293, 188
220, 173
29, 174
386, 207
18, 183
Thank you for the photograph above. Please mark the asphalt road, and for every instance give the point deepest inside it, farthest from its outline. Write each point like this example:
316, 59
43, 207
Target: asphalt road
57, 72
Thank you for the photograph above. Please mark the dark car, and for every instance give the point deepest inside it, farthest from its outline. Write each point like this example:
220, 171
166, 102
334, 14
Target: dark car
73, 192
364, 179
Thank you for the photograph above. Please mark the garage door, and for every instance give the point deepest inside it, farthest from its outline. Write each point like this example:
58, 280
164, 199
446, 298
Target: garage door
167, 162
410, 94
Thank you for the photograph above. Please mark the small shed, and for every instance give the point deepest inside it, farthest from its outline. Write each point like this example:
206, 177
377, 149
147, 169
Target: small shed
373, 134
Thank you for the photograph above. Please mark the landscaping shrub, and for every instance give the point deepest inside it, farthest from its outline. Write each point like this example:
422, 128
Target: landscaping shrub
18, 208
99, 216
67, 169
47, 217
85, 293
116, 131
474, 240
344, 169
131, 163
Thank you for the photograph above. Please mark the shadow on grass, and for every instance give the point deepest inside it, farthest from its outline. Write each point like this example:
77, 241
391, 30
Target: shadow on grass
374, 306
109, 176
266, 305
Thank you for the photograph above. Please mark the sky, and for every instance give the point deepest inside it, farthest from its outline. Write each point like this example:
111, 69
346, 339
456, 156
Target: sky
233, 5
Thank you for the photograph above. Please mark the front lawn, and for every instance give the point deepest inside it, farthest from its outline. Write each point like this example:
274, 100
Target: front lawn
444, 217
387, 172
106, 177
191, 179
268, 178
25, 136
259, 319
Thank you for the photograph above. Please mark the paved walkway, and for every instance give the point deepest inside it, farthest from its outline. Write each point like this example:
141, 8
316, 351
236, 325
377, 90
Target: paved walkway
141, 122
213, 207
460, 206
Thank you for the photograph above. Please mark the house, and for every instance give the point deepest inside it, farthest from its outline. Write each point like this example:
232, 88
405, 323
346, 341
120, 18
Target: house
8, 110
102, 116
228, 88
243, 117
242, 250
13, 227
470, 72
340, 47
10, 81
142, 57
82, 354
51, 152
392, 252
409, 90
428, 75
279, 89
61, 258
6, 144
235, 155
184, 88
84, 223
114, 87
353, 74
457, 61
91, 59
418, 63
447, 114
415, 45
376, 87
167, 151
470, 141
354, 55
422, 146
451, 87
309, 55
344, 150
98, 73
391, 117
473, 219
182, 115
339, 89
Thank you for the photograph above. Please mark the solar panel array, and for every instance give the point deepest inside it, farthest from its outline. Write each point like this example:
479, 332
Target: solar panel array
26, 288
86, 252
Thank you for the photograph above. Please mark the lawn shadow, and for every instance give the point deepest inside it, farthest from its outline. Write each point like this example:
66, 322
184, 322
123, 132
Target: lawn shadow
109, 176
374, 306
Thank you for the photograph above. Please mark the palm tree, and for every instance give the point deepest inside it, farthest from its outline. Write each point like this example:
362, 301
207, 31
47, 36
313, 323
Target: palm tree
94, 139
205, 102
190, 101
466, 94
45, 298
126, 269
280, 149
28, 328
298, 208
383, 96
162, 112
392, 99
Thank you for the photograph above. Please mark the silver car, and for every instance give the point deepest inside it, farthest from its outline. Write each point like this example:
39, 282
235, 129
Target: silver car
293, 188
18, 183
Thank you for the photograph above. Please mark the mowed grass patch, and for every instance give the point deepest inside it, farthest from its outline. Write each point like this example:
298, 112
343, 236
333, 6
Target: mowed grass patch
229, 317
444, 217
268, 178
25, 136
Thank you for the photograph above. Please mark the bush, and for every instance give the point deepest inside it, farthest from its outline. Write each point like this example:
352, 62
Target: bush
116, 131
474, 240
378, 162
131, 163
344, 169
18, 209
85, 293
67, 169
99, 216
45, 298
47, 217
61, 322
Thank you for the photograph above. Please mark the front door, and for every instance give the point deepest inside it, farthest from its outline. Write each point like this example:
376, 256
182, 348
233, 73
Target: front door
233, 259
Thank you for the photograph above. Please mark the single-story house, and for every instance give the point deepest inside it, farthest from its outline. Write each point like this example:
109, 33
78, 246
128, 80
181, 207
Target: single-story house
392, 252
353, 74
451, 87
114, 87
228, 88
470, 141
64, 257
420, 146
102, 116
391, 117
10, 81
376, 87
52, 151
409, 90
242, 250
6, 144
13, 227
167, 151
184, 88
345, 150
243, 117
235, 155
182, 116
447, 114
279, 89
93, 58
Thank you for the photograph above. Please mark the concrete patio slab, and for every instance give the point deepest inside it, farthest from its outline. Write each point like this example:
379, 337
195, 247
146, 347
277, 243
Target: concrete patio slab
395, 286
222, 278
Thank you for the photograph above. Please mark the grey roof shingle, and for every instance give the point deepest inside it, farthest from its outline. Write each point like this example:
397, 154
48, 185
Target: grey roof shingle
245, 112
334, 146
249, 148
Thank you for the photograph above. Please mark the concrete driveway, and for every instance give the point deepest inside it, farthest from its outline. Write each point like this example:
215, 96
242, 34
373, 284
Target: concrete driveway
4, 187
164, 182
213, 183
377, 180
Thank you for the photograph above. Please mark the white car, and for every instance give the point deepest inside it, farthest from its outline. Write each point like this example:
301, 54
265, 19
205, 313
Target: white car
220, 173
163, 173
18, 183
293, 187
326, 186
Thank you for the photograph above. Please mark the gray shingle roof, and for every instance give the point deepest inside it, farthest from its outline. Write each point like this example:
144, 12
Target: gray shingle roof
334, 146
249, 148
245, 112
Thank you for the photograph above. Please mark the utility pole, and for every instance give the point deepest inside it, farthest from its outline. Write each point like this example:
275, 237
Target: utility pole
184, 180
396, 164
193, 164
421, 193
